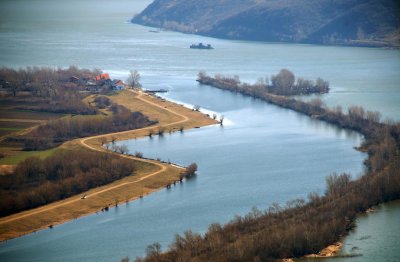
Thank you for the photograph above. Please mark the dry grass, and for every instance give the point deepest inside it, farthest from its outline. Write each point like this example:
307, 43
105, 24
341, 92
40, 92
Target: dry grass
74, 207
14, 122
150, 175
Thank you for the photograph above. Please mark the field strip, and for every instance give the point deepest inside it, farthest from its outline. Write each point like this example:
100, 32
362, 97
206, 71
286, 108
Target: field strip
100, 149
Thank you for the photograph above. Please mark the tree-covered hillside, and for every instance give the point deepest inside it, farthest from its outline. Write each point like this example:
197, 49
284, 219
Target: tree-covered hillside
343, 22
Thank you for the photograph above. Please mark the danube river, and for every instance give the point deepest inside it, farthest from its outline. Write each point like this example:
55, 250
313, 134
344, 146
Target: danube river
263, 154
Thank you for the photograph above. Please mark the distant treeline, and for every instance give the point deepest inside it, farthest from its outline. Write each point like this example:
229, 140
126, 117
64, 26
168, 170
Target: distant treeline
302, 226
284, 83
49, 90
37, 182
60, 130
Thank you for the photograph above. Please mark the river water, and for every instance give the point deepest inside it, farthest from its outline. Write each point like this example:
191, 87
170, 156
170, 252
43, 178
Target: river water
263, 154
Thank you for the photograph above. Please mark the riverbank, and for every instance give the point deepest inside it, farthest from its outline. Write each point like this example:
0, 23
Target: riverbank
328, 252
304, 227
150, 175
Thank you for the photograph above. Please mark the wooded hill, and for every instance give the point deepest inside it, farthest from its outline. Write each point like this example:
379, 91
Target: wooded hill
340, 22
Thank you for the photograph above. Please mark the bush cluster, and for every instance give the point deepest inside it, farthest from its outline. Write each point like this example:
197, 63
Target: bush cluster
37, 182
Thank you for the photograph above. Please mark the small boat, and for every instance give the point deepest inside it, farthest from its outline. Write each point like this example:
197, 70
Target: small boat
201, 46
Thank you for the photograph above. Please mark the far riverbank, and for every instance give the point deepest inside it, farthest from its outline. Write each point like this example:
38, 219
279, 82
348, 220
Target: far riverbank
304, 227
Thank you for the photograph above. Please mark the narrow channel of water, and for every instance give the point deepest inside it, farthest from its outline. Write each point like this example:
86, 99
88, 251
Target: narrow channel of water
264, 155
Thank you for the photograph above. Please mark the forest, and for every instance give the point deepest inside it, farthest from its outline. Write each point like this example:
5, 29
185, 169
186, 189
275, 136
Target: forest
302, 226
284, 83
37, 182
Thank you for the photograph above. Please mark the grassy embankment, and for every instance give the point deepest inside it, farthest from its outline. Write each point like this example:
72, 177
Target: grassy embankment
150, 175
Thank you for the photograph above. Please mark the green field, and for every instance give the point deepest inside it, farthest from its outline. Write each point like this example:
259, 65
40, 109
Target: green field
27, 115
22, 155
8, 130
13, 121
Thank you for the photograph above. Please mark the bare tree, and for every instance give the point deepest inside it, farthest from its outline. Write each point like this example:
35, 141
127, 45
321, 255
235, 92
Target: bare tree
373, 116
124, 149
221, 120
161, 131
201, 75
134, 79
154, 251
138, 154
126, 259
191, 170
337, 184
285, 79
14, 88
103, 140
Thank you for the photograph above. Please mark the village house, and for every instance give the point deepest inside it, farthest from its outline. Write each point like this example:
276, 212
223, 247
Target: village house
104, 82
117, 84
92, 86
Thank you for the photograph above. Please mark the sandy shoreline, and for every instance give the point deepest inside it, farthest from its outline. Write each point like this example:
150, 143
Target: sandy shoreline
329, 251
152, 175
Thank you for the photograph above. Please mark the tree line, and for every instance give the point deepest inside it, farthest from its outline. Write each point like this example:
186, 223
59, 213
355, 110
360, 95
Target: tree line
284, 83
57, 131
37, 182
303, 226
49, 90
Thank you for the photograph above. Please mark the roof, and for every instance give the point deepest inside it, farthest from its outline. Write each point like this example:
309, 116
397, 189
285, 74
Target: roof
118, 82
104, 76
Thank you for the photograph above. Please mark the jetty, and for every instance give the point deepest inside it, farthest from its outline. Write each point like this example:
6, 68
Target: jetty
156, 91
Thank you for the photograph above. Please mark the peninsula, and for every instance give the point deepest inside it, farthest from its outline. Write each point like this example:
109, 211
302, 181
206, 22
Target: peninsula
58, 198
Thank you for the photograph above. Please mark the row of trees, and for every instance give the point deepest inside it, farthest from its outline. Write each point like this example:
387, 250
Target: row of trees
60, 130
45, 81
302, 226
283, 83
37, 182
47, 89
357, 118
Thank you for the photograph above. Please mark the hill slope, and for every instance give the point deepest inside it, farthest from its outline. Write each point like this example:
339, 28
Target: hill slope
344, 22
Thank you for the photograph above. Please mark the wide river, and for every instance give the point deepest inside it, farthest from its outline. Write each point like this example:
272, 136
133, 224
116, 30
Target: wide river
263, 154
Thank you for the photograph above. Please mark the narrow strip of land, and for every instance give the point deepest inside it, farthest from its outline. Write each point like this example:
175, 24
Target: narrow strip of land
150, 175
21, 120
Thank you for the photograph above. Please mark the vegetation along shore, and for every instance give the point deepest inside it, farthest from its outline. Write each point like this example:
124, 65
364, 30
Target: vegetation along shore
61, 166
301, 227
